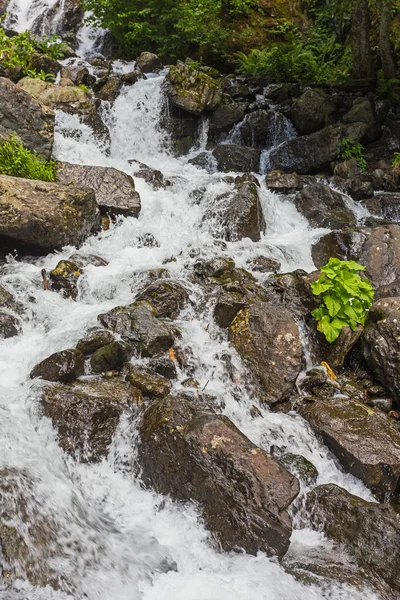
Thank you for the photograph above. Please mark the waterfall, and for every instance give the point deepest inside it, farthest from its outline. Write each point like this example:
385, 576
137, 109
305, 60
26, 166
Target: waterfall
114, 539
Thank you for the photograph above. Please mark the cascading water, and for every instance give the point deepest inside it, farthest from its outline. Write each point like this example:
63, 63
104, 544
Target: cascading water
113, 539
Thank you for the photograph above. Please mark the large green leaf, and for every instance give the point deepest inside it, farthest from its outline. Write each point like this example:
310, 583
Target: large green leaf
352, 265
319, 287
332, 303
319, 312
328, 328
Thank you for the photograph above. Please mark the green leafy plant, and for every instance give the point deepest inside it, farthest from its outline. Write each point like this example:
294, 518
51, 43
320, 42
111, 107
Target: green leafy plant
16, 51
396, 160
33, 74
346, 297
53, 46
18, 161
348, 148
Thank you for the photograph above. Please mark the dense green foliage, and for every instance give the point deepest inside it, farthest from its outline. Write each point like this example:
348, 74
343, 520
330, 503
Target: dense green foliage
18, 161
17, 51
348, 148
346, 297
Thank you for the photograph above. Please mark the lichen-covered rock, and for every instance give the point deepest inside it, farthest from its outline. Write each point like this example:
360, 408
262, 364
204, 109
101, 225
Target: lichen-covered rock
65, 365
147, 62
362, 111
86, 414
138, 324
44, 215
369, 531
311, 111
243, 492
231, 157
115, 191
378, 248
300, 467
110, 90
110, 356
21, 114
365, 441
238, 214
313, 153
167, 296
191, 90
149, 383
64, 278
266, 336
228, 304
381, 343
324, 208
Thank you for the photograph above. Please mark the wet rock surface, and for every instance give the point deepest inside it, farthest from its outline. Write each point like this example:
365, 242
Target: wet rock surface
114, 190
267, 338
46, 216
23, 115
369, 531
66, 365
231, 157
192, 90
311, 111
167, 296
364, 440
324, 208
86, 414
188, 453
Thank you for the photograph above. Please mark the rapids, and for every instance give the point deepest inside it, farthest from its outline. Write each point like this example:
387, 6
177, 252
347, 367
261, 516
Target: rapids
116, 540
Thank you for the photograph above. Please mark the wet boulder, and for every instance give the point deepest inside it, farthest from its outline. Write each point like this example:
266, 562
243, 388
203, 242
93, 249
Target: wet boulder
381, 343
163, 365
263, 129
152, 176
378, 248
64, 278
109, 92
115, 191
311, 111
42, 62
111, 356
362, 111
231, 157
95, 339
226, 116
364, 440
324, 207
147, 62
299, 466
286, 183
10, 325
369, 531
238, 214
86, 414
46, 216
264, 264
65, 365
139, 325
266, 336
196, 454
192, 90
23, 115
384, 205
149, 383
314, 153
167, 296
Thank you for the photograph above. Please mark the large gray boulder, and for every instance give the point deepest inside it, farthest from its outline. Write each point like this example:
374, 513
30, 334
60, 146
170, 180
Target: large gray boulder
147, 62
313, 153
238, 214
369, 531
45, 215
243, 492
30, 120
365, 441
324, 207
115, 191
226, 116
267, 337
381, 343
311, 111
263, 129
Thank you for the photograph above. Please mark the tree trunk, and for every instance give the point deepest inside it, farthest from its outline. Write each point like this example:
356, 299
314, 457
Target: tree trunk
385, 50
363, 65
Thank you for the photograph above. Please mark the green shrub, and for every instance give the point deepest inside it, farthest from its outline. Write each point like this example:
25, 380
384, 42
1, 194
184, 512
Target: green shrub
348, 148
33, 74
389, 89
16, 51
346, 297
18, 161
53, 46
396, 159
